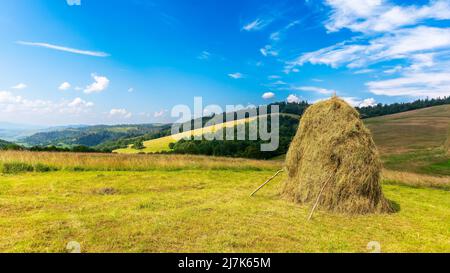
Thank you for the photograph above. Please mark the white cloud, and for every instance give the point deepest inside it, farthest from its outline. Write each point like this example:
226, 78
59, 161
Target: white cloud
274, 77
368, 102
65, 49
381, 16
100, 84
130, 90
236, 75
19, 106
319, 90
160, 113
409, 36
414, 85
20, 86
415, 45
64, 86
293, 99
257, 24
268, 95
73, 2
268, 51
356, 102
78, 102
121, 113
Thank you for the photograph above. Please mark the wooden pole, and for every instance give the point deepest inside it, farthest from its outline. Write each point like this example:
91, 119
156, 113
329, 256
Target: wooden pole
265, 183
318, 198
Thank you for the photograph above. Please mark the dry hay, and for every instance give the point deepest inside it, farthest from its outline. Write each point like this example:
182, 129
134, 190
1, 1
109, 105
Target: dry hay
334, 156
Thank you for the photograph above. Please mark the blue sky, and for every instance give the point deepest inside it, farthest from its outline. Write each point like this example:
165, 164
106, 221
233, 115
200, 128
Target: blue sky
117, 61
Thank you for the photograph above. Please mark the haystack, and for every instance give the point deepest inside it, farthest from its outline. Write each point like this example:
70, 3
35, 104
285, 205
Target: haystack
333, 162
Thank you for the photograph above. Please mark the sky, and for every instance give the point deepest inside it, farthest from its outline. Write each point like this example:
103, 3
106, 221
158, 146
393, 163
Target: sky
131, 61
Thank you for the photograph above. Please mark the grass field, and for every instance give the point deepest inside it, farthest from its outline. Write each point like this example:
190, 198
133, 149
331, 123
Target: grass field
179, 203
191, 204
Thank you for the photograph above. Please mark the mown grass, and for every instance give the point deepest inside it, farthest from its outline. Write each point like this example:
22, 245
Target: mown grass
202, 211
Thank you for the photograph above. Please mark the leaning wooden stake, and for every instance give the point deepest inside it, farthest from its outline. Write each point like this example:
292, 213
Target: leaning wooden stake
318, 198
267, 182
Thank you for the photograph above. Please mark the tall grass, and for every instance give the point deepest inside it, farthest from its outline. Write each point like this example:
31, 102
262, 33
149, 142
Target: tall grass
123, 162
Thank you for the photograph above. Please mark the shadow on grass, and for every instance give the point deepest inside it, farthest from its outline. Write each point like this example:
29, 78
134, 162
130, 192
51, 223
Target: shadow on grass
396, 208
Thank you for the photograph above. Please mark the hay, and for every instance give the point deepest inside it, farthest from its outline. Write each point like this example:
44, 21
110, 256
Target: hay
334, 149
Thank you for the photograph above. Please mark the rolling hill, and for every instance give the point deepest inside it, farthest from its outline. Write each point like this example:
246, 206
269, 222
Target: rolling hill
410, 140
162, 144
90, 136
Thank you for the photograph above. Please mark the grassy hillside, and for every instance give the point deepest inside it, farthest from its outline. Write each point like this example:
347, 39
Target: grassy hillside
162, 144
415, 130
411, 131
414, 141
200, 204
4, 143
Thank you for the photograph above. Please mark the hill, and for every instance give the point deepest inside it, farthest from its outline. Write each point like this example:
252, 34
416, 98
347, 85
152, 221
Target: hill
4, 143
99, 136
411, 140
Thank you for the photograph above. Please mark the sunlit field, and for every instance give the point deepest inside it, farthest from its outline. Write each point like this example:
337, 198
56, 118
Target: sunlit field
162, 203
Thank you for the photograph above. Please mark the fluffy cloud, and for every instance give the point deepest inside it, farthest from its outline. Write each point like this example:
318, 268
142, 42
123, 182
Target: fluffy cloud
121, 113
236, 75
356, 102
20, 86
100, 84
368, 102
64, 86
73, 2
17, 105
268, 95
293, 99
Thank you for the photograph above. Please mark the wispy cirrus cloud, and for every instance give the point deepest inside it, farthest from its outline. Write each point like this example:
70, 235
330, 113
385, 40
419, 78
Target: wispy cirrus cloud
399, 36
65, 49
257, 24
315, 89
380, 15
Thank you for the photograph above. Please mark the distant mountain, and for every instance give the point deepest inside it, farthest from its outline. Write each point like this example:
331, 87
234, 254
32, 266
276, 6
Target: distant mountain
90, 136
13, 131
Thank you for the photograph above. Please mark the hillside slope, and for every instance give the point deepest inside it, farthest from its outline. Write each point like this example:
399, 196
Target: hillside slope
394, 134
414, 130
